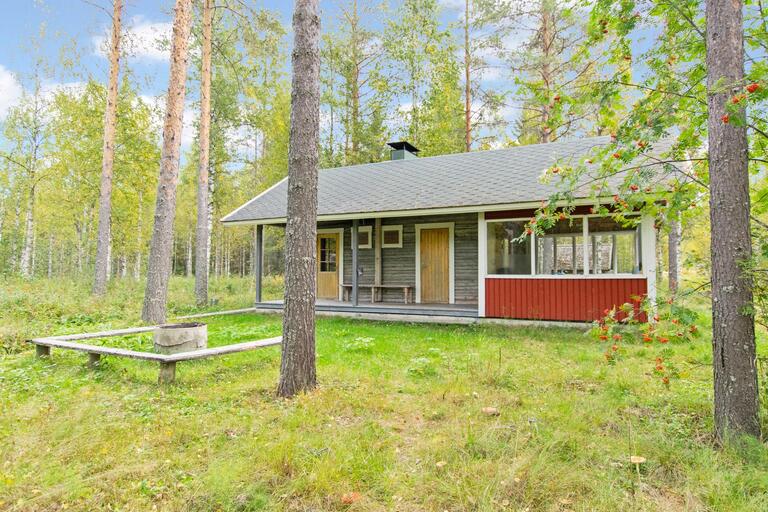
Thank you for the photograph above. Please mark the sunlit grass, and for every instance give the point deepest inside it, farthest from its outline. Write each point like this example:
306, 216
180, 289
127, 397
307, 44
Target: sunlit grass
398, 418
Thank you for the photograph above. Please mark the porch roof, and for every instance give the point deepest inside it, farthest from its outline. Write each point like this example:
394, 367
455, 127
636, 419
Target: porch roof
462, 180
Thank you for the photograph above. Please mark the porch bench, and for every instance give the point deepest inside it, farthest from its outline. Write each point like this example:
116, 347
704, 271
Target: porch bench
377, 288
167, 361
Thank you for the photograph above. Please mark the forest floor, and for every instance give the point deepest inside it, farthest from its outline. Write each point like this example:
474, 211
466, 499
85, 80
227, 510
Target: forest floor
397, 422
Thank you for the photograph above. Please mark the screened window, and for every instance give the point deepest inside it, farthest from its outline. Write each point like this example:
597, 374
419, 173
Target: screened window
614, 248
561, 249
505, 255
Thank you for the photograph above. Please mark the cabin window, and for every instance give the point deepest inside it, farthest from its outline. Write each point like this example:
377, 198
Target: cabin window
364, 237
392, 237
613, 248
580, 245
506, 255
327, 254
560, 251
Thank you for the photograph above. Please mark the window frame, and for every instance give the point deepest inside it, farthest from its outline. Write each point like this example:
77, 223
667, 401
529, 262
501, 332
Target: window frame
586, 273
392, 227
365, 229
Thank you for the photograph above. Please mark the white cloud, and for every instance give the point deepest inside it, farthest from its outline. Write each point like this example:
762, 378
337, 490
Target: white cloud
143, 39
10, 91
452, 4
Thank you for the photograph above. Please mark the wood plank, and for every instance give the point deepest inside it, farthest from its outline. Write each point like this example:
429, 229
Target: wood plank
151, 356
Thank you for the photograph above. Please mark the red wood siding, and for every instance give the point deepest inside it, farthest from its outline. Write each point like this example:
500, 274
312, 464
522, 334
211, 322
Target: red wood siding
558, 298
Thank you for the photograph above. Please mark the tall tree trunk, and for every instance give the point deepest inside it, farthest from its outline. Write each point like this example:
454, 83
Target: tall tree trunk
139, 240
673, 248
29, 232
733, 325
203, 234
159, 266
546, 66
188, 268
467, 81
101, 270
50, 255
297, 366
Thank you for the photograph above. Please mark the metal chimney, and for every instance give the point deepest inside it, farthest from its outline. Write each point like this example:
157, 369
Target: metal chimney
402, 150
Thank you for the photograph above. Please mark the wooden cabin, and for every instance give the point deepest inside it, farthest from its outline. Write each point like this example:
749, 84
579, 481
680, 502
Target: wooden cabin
438, 236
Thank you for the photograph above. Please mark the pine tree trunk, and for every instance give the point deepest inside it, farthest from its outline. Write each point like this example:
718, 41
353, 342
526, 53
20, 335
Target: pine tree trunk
101, 271
467, 82
159, 265
673, 248
546, 67
202, 244
733, 325
297, 366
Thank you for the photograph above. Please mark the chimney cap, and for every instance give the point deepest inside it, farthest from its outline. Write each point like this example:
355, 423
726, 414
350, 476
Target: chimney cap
403, 144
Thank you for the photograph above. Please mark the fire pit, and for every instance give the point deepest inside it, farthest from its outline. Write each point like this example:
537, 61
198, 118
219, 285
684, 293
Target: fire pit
176, 338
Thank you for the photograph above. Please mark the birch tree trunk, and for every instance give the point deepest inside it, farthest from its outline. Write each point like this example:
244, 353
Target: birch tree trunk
297, 365
101, 269
202, 247
29, 232
673, 248
733, 325
159, 265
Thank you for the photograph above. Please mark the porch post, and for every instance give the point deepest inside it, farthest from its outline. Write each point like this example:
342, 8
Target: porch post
258, 251
354, 261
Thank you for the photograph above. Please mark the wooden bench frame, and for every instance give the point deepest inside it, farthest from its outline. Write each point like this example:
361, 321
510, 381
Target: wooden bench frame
167, 362
407, 291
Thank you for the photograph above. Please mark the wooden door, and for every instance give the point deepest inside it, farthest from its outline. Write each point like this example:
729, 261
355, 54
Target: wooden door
328, 266
435, 279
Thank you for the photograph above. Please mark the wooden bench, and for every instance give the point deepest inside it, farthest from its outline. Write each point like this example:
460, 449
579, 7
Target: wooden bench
167, 362
377, 288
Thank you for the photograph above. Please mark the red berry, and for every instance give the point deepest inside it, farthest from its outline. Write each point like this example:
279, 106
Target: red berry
725, 118
663, 340
603, 337
617, 336
752, 87
647, 339
634, 188
615, 348
617, 155
659, 368
665, 380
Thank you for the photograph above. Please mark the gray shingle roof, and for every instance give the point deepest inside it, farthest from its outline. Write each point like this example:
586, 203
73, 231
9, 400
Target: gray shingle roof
481, 178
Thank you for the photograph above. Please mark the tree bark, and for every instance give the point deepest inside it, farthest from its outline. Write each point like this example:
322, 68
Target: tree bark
202, 246
467, 82
101, 269
159, 265
673, 248
29, 232
297, 366
733, 326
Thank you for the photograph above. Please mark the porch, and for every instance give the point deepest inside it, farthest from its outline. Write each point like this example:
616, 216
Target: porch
384, 308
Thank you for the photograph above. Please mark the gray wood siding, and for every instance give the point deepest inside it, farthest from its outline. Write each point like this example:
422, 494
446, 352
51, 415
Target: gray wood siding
398, 265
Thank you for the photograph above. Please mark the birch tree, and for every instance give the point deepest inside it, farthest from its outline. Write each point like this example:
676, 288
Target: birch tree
297, 366
161, 244
103, 239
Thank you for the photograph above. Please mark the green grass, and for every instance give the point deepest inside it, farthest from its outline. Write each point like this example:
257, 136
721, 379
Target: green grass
394, 400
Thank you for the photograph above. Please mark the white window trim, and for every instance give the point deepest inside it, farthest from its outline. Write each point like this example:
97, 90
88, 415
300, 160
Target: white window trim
365, 229
393, 227
482, 262
647, 256
340, 266
451, 267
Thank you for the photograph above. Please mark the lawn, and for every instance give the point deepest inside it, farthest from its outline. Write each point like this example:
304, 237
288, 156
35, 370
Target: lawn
397, 423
